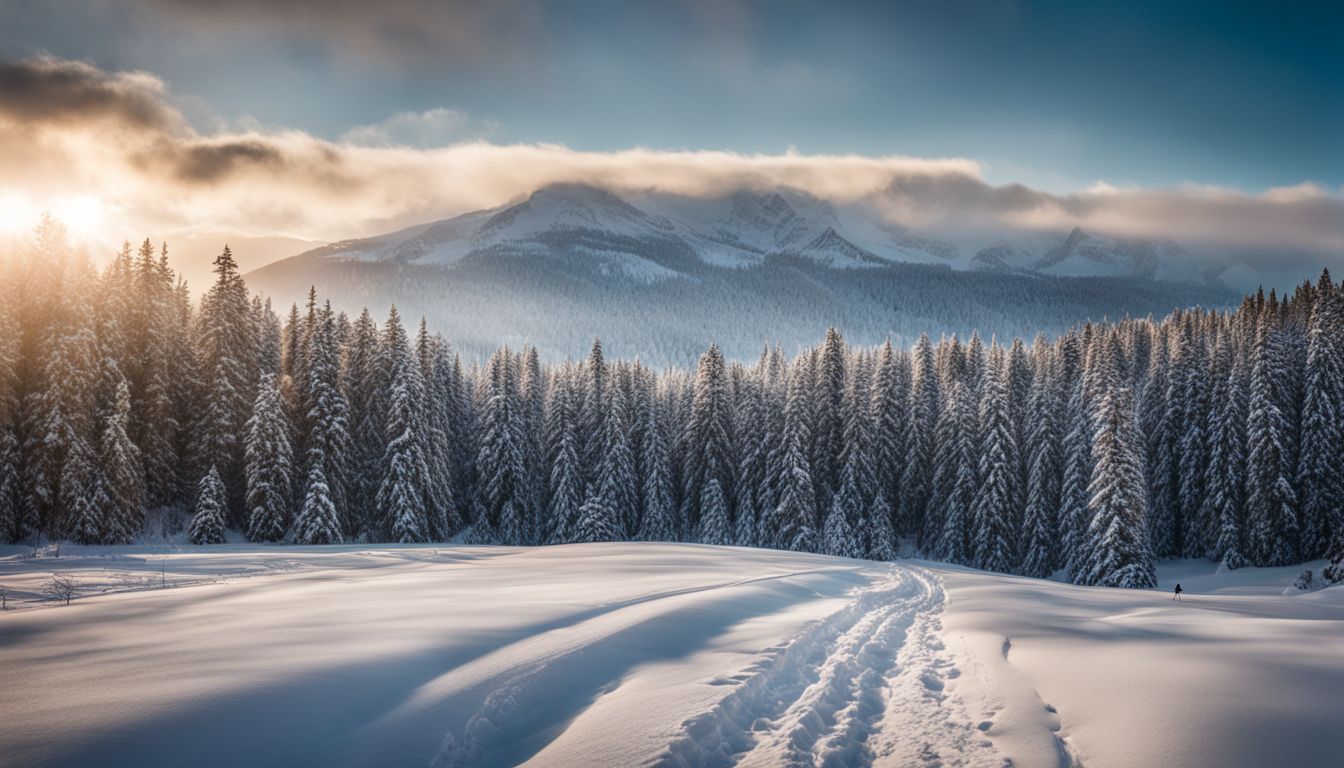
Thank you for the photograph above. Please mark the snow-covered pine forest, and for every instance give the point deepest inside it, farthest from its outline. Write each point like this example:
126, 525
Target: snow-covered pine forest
1205, 434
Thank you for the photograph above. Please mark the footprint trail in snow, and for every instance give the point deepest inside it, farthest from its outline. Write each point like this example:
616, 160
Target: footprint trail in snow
866, 686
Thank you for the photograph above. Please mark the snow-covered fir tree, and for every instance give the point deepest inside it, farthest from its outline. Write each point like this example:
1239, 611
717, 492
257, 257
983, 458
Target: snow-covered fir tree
1040, 526
228, 352
270, 465
919, 446
207, 524
1271, 515
841, 533
505, 486
714, 524
317, 521
1117, 553
996, 500
400, 500
120, 498
1320, 468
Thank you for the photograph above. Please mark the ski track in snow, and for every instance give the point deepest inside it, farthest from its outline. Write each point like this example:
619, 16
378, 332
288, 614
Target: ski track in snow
864, 686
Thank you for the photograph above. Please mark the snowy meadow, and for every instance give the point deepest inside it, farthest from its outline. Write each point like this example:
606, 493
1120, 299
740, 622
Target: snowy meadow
651, 654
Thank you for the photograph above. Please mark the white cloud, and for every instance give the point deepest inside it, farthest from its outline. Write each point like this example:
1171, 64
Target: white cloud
68, 128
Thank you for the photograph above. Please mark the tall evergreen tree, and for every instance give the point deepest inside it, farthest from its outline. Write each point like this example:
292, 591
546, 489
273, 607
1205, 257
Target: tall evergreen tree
401, 500
795, 517
1271, 515
317, 521
919, 443
503, 457
228, 344
1226, 478
1320, 471
121, 489
207, 525
708, 440
269, 455
1040, 554
1117, 552
365, 386
996, 500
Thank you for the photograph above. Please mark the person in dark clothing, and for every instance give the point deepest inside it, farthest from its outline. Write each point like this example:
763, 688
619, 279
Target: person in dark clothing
1176, 595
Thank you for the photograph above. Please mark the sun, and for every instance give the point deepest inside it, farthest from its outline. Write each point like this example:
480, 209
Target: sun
17, 213
81, 214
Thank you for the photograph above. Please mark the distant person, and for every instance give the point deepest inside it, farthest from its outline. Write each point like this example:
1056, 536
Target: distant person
1176, 595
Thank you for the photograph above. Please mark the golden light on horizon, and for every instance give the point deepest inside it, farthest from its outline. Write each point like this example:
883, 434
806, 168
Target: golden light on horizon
83, 216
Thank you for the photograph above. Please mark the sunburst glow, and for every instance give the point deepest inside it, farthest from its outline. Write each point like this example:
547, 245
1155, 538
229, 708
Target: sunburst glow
81, 214
17, 213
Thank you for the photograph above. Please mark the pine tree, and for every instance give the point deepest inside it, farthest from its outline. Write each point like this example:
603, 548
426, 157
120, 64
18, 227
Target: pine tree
714, 525
708, 439
1159, 424
1117, 554
745, 527
401, 501
1075, 516
658, 523
890, 411
829, 419
121, 492
269, 456
840, 533
1192, 400
1320, 473
503, 454
1272, 525
795, 516
228, 346
950, 510
67, 481
443, 431
1040, 555
919, 444
879, 536
364, 384
207, 525
996, 499
598, 520
1225, 480
327, 417
566, 482
317, 521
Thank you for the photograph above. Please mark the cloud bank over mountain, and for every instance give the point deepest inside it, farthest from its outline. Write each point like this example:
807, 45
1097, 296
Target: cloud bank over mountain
69, 127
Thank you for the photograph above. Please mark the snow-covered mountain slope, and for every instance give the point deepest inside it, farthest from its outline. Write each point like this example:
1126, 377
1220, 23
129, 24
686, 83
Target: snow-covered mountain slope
662, 276
629, 234
651, 654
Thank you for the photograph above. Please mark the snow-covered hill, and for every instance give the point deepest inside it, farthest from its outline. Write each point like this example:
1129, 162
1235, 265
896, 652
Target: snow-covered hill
651, 654
634, 234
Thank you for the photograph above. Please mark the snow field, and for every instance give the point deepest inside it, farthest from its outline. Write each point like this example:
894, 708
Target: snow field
604, 654
675, 655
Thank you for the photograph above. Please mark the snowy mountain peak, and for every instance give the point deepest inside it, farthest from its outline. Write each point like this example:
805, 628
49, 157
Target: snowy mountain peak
655, 235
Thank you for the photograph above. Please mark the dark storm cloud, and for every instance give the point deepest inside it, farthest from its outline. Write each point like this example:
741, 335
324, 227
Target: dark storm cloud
44, 89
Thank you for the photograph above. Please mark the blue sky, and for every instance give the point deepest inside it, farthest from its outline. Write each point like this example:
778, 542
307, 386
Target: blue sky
1056, 95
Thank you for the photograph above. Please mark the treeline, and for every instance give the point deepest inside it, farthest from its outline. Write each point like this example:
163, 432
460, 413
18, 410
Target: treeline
1207, 434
